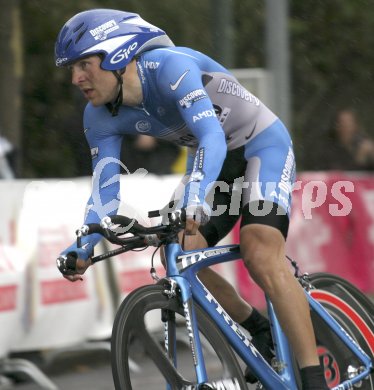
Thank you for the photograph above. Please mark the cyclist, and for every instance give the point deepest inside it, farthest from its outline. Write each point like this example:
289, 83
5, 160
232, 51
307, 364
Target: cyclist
137, 81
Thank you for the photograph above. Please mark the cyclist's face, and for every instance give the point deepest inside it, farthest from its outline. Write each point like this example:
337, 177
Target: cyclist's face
97, 85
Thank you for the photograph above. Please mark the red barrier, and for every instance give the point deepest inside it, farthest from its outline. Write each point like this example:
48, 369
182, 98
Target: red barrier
331, 230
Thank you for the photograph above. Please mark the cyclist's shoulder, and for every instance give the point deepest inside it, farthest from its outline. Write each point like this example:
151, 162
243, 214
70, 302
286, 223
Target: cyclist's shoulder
93, 113
176, 52
101, 123
169, 66
101, 113
96, 117
169, 58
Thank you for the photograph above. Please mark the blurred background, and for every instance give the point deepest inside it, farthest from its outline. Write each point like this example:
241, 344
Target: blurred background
318, 56
311, 62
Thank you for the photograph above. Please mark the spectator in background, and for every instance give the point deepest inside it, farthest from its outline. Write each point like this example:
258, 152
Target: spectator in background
6, 149
347, 147
155, 155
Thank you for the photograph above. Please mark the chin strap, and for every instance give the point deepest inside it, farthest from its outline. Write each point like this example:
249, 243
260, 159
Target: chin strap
114, 107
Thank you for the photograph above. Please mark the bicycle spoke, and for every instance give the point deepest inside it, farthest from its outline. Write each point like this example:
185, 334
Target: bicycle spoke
136, 320
158, 356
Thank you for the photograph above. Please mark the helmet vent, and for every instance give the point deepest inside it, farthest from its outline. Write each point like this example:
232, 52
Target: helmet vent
80, 35
78, 27
68, 44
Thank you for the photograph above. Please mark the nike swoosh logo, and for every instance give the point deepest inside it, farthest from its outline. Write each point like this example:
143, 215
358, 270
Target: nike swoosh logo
173, 87
250, 134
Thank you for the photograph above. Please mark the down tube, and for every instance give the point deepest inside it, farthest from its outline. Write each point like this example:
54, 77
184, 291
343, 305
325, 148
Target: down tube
238, 340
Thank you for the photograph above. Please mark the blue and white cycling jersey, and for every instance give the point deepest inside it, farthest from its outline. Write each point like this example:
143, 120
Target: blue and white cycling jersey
188, 99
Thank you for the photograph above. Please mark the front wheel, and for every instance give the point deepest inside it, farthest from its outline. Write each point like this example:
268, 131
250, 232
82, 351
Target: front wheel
138, 337
355, 313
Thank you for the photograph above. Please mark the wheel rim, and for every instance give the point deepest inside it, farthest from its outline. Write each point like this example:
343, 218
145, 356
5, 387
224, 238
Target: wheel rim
350, 309
178, 380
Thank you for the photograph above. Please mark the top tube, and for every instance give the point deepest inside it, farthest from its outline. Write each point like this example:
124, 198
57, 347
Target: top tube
178, 260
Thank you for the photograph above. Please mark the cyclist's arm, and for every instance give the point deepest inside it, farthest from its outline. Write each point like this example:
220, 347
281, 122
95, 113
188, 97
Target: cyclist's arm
105, 147
178, 193
202, 122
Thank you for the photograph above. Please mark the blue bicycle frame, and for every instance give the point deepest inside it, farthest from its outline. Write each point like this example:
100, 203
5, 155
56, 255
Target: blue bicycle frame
183, 266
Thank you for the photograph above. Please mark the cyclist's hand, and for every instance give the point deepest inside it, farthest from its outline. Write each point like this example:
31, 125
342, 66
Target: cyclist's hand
73, 264
80, 269
191, 227
196, 215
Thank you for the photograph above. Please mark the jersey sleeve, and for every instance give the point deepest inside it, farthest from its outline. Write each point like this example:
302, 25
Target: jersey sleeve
105, 147
181, 80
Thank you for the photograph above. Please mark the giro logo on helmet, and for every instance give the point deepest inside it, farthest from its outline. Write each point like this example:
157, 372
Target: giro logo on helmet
60, 61
122, 54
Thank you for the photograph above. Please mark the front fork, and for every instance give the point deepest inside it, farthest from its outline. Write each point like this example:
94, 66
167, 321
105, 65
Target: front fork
178, 285
170, 339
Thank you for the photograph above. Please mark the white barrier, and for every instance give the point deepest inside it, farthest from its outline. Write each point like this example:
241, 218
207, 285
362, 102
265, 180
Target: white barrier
39, 221
54, 307
39, 309
12, 286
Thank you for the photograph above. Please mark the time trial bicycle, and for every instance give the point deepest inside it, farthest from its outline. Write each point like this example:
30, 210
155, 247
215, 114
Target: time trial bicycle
219, 349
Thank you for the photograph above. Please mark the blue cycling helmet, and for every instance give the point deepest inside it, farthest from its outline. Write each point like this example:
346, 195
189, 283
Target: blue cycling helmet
117, 35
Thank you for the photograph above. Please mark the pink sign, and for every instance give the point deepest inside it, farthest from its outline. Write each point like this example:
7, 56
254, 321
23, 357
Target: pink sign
331, 230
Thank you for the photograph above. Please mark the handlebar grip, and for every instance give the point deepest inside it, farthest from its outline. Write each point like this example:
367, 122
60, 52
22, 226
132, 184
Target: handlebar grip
67, 264
95, 228
88, 229
126, 222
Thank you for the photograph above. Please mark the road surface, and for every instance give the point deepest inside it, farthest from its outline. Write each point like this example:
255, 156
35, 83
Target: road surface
86, 370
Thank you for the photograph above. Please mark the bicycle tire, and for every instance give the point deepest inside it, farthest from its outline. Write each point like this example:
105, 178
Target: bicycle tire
355, 313
130, 325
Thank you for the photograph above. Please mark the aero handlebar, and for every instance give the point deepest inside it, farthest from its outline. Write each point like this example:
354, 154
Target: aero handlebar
113, 227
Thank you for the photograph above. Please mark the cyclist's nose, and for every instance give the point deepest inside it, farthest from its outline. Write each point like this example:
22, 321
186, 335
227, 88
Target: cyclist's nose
77, 76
